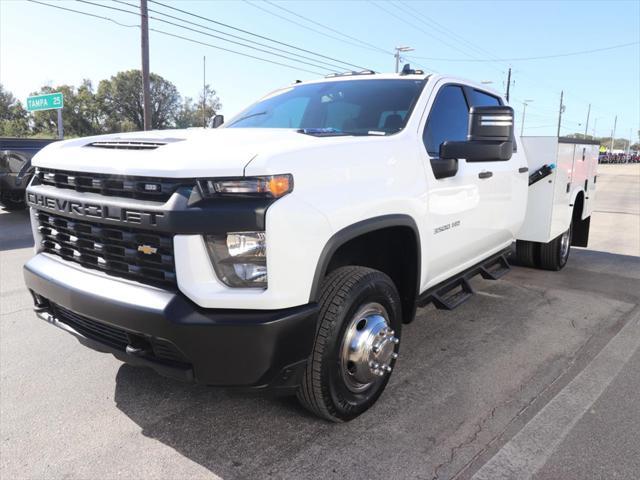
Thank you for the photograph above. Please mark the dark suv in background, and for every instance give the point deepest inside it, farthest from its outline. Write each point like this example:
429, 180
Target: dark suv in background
15, 168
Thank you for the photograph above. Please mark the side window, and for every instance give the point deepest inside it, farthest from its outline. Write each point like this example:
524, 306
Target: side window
448, 119
482, 99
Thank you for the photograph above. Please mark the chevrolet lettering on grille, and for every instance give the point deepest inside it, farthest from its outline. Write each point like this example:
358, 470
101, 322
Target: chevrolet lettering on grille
80, 209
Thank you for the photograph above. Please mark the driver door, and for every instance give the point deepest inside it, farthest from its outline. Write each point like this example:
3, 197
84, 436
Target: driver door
459, 219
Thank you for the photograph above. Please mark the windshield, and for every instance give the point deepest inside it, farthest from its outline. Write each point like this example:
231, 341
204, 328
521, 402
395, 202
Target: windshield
355, 107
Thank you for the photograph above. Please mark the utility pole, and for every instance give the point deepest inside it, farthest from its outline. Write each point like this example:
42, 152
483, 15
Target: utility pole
61, 128
204, 91
524, 111
509, 85
397, 55
613, 133
144, 45
586, 127
560, 112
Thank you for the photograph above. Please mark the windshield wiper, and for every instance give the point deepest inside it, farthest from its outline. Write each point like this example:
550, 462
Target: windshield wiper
248, 116
322, 132
334, 132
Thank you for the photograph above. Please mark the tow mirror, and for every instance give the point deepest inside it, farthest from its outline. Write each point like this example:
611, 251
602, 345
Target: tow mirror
489, 138
491, 123
217, 121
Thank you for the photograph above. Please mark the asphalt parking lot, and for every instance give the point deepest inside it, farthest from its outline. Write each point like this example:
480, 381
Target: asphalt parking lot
536, 376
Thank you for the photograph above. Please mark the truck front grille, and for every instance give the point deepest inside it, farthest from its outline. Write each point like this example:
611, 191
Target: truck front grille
144, 188
124, 252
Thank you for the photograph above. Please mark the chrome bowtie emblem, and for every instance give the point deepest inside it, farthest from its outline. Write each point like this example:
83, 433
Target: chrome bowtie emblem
147, 249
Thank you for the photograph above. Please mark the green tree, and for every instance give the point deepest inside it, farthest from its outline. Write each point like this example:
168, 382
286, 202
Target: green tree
121, 102
13, 117
190, 113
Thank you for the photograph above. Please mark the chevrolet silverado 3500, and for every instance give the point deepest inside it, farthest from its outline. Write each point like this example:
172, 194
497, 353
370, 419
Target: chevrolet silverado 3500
287, 248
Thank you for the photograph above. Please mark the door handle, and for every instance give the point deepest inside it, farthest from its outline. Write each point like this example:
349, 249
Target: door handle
483, 175
523, 170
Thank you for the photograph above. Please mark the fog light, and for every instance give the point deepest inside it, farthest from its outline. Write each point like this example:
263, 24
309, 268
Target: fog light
239, 258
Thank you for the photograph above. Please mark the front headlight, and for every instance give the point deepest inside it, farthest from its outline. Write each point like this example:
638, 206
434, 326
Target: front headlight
272, 186
239, 258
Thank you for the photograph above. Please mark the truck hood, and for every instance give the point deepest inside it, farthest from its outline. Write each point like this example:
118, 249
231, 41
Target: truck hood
174, 153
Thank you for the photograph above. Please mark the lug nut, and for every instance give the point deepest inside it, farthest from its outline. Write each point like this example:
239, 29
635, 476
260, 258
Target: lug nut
394, 355
376, 348
396, 340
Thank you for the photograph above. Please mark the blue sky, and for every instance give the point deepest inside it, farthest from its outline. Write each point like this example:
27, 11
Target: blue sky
40, 45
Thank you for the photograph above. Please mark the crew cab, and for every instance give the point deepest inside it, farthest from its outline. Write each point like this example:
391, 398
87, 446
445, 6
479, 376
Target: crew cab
286, 248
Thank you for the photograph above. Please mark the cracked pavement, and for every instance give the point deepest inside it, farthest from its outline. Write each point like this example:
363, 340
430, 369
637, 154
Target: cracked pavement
466, 383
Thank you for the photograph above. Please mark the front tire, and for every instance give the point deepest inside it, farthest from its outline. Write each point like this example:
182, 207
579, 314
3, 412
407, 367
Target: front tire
12, 202
356, 344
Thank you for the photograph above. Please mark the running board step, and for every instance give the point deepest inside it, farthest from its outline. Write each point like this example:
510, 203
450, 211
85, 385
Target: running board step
495, 269
454, 291
453, 294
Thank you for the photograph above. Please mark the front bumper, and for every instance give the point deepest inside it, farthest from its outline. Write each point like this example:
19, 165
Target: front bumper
248, 348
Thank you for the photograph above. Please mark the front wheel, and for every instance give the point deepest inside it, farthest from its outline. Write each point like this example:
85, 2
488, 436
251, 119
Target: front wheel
12, 201
356, 344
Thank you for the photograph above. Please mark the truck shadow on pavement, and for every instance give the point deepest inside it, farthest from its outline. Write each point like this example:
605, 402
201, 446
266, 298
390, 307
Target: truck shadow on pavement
230, 432
461, 380
15, 230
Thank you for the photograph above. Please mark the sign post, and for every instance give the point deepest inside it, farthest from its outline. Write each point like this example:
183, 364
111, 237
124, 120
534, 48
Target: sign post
49, 101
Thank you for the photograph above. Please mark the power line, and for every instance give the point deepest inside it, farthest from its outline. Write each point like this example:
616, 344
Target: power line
254, 34
533, 80
328, 28
541, 57
447, 31
331, 65
181, 37
307, 27
420, 29
207, 34
85, 13
232, 51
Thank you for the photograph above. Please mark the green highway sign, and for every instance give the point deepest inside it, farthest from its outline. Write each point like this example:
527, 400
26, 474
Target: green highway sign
50, 101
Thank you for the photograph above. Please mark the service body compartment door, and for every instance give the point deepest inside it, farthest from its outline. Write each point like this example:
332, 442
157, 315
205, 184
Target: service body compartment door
549, 208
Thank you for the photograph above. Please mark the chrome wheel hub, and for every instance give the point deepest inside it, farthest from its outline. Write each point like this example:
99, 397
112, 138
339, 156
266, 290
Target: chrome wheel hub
368, 347
564, 244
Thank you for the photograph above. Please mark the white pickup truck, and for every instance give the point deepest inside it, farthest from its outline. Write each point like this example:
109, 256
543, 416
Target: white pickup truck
287, 248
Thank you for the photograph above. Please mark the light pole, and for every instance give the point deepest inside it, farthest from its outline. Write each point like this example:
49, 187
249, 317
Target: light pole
613, 133
595, 127
524, 111
397, 55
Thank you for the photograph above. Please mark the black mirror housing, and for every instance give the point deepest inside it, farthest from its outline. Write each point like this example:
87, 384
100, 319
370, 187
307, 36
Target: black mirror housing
444, 168
489, 138
477, 150
490, 123
217, 121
